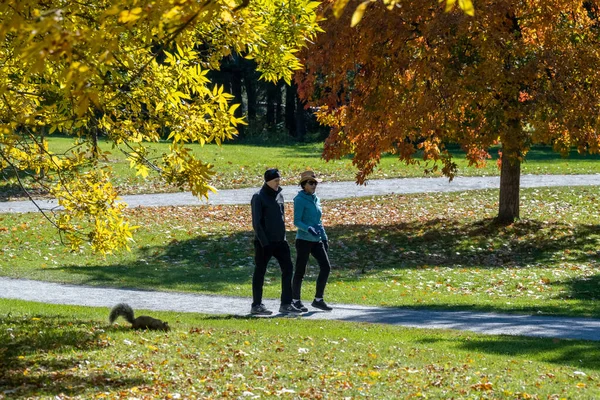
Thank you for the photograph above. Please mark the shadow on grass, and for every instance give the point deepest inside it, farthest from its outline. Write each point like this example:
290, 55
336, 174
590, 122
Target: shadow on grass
38, 357
450, 243
577, 310
9, 191
578, 354
211, 263
583, 288
574, 353
204, 264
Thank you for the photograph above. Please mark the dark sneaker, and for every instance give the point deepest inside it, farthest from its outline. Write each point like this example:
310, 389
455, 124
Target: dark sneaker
321, 305
289, 309
298, 304
260, 310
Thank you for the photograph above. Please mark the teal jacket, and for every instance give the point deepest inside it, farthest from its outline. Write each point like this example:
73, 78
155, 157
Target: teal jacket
307, 212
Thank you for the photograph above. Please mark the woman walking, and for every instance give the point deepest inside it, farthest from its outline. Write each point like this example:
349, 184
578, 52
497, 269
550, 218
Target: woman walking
310, 239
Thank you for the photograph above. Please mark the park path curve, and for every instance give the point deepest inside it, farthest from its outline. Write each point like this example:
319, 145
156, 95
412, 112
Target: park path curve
479, 322
331, 191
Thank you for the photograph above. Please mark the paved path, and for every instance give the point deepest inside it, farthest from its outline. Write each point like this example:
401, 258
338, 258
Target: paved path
333, 190
486, 323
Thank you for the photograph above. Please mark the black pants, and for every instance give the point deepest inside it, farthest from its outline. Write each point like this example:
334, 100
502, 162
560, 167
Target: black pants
281, 252
304, 248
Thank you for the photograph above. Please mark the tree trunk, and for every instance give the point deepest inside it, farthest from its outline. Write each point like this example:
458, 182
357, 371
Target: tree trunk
300, 118
271, 104
94, 134
236, 91
279, 105
42, 131
290, 108
221, 78
510, 183
251, 96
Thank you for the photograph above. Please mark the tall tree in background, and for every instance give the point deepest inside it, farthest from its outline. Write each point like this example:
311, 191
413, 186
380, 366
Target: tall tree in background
264, 103
132, 69
414, 77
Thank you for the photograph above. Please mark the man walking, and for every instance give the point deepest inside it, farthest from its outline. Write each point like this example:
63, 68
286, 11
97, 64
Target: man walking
268, 221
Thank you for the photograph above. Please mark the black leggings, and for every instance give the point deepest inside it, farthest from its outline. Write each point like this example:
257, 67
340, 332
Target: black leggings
304, 248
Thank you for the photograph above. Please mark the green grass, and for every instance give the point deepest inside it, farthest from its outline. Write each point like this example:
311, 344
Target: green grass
437, 250
243, 165
52, 351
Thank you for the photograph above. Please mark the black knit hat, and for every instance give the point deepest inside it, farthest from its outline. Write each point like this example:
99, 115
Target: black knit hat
271, 174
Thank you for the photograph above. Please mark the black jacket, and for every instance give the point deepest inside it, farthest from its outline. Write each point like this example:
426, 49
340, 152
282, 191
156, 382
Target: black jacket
268, 217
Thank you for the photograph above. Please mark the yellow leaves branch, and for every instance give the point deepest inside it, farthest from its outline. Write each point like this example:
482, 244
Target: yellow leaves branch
80, 70
465, 5
339, 5
90, 203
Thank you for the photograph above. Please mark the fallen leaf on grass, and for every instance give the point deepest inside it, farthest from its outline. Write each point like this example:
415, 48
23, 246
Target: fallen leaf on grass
482, 386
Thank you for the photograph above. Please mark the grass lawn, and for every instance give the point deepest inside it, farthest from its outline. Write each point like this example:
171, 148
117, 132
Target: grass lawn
243, 165
437, 250
50, 351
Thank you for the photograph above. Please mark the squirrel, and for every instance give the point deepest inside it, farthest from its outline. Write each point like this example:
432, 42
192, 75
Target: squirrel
141, 322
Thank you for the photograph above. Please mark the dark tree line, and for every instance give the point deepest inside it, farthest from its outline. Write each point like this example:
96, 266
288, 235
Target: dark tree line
266, 105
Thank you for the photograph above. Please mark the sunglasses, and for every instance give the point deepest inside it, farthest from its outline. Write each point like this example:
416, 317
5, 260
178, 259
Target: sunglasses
312, 183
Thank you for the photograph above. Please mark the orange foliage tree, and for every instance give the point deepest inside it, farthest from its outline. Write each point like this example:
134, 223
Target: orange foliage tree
415, 78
